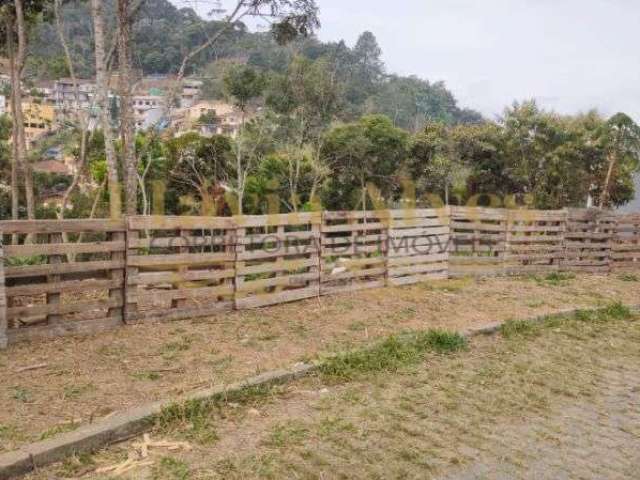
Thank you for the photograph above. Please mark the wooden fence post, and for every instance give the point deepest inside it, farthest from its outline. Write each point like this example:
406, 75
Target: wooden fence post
54, 298
3, 301
240, 235
562, 261
130, 303
506, 242
120, 276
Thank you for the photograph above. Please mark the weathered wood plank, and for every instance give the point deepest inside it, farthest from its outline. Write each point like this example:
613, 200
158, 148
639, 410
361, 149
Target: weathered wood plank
283, 281
354, 227
61, 309
150, 278
351, 287
280, 251
62, 268
191, 259
276, 298
353, 274
80, 327
289, 219
351, 250
272, 267
207, 310
155, 222
475, 260
418, 232
199, 293
62, 248
482, 227
355, 215
62, 287
411, 270
10, 227
183, 241
3, 301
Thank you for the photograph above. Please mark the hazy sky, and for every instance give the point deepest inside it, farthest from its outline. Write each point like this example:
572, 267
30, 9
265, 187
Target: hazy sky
571, 55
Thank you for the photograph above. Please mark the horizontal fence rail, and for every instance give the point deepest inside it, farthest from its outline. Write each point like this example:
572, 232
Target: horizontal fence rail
83, 276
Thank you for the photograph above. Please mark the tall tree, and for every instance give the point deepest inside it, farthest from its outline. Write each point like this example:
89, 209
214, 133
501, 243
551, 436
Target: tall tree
622, 144
244, 84
202, 166
305, 100
127, 127
366, 69
434, 161
102, 101
371, 150
16, 26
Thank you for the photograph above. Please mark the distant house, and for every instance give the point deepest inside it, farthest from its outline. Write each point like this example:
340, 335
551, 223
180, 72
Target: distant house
3, 104
209, 118
38, 121
65, 95
148, 110
191, 90
68, 97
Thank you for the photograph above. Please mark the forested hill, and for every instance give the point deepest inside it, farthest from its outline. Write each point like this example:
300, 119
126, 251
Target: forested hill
164, 34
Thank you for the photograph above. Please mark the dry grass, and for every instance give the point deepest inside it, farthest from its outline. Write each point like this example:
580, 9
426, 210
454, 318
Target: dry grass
418, 421
87, 378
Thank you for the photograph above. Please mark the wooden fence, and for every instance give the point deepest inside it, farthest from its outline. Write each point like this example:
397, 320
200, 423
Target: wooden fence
77, 276
67, 278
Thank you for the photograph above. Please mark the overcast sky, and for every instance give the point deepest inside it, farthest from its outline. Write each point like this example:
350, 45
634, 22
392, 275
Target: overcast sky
571, 55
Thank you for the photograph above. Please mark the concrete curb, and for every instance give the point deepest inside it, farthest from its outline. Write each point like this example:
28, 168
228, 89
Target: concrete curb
128, 424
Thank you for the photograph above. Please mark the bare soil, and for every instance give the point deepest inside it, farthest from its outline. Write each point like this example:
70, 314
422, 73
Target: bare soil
86, 378
560, 400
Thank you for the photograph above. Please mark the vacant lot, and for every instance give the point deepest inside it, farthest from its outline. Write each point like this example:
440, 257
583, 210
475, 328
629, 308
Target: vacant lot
560, 399
81, 379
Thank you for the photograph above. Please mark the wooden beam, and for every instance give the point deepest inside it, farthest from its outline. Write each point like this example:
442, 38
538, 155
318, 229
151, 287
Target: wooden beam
10, 227
3, 301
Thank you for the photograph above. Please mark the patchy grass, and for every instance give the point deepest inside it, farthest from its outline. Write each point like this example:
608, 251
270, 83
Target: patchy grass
170, 468
390, 354
196, 419
152, 376
10, 434
116, 362
286, 434
74, 390
193, 418
21, 394
171, 350
427, 421
76, 465
629, 277
555, 279
519, 328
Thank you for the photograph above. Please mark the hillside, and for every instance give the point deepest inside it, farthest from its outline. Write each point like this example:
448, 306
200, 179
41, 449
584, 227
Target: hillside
163, 34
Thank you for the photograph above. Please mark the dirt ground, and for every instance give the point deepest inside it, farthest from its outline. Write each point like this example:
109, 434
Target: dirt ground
87, 378
553, 401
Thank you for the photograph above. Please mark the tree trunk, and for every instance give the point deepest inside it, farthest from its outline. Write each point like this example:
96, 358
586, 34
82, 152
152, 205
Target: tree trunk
18, 116
102, 94
240, 171
15, 163
127, 130
604, 195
